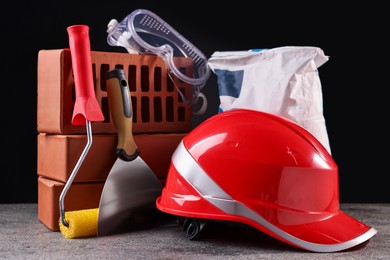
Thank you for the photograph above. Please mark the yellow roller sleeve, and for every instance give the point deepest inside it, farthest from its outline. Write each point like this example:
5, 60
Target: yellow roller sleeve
82, 223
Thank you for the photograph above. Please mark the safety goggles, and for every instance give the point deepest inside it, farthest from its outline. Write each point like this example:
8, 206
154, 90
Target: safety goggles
143, 32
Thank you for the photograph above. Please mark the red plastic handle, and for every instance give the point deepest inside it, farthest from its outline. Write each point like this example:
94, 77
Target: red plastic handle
86, 105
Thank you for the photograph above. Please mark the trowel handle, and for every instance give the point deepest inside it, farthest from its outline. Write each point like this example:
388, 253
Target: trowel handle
119, 102
86, 105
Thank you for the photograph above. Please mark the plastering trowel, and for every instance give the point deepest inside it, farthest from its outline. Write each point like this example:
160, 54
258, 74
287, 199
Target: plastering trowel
131, 187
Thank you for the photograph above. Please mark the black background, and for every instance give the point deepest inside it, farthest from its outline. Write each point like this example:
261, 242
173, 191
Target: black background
354, 80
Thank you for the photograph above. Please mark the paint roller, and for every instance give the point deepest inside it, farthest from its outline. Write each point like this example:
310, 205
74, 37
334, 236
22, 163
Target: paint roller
81, 223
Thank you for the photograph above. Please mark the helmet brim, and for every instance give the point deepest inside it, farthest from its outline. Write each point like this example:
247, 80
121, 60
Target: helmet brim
336, 233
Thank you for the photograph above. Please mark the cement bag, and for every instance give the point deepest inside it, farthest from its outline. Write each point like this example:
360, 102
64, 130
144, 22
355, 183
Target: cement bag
283, 81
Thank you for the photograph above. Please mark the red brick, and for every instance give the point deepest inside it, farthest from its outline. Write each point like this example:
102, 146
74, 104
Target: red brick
58, 154
156, 103
79, 196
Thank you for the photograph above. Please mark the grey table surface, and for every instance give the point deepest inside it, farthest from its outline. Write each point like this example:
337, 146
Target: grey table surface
23, 236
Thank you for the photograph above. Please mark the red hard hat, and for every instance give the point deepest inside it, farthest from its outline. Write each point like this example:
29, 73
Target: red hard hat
265, 171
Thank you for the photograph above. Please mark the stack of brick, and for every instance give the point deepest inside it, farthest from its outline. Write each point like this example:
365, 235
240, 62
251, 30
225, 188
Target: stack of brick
160, 121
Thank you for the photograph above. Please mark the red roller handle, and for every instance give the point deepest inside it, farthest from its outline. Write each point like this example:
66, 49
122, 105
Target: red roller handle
86, 106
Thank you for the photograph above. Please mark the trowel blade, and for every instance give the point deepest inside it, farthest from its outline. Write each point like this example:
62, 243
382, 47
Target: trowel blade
130, 192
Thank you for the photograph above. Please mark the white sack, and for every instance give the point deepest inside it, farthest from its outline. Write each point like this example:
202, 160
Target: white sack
283, 81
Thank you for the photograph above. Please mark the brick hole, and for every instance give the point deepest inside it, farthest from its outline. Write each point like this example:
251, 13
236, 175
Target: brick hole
132, 78
73, 96
170, 85
106, 110
157, 109
181, 114
144, 78
103, 70
73, 91
157, 79
169, 109
94, 74
145, 109
134, 107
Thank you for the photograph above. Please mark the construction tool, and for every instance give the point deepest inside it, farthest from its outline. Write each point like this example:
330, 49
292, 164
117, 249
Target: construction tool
131, 188
86, 109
